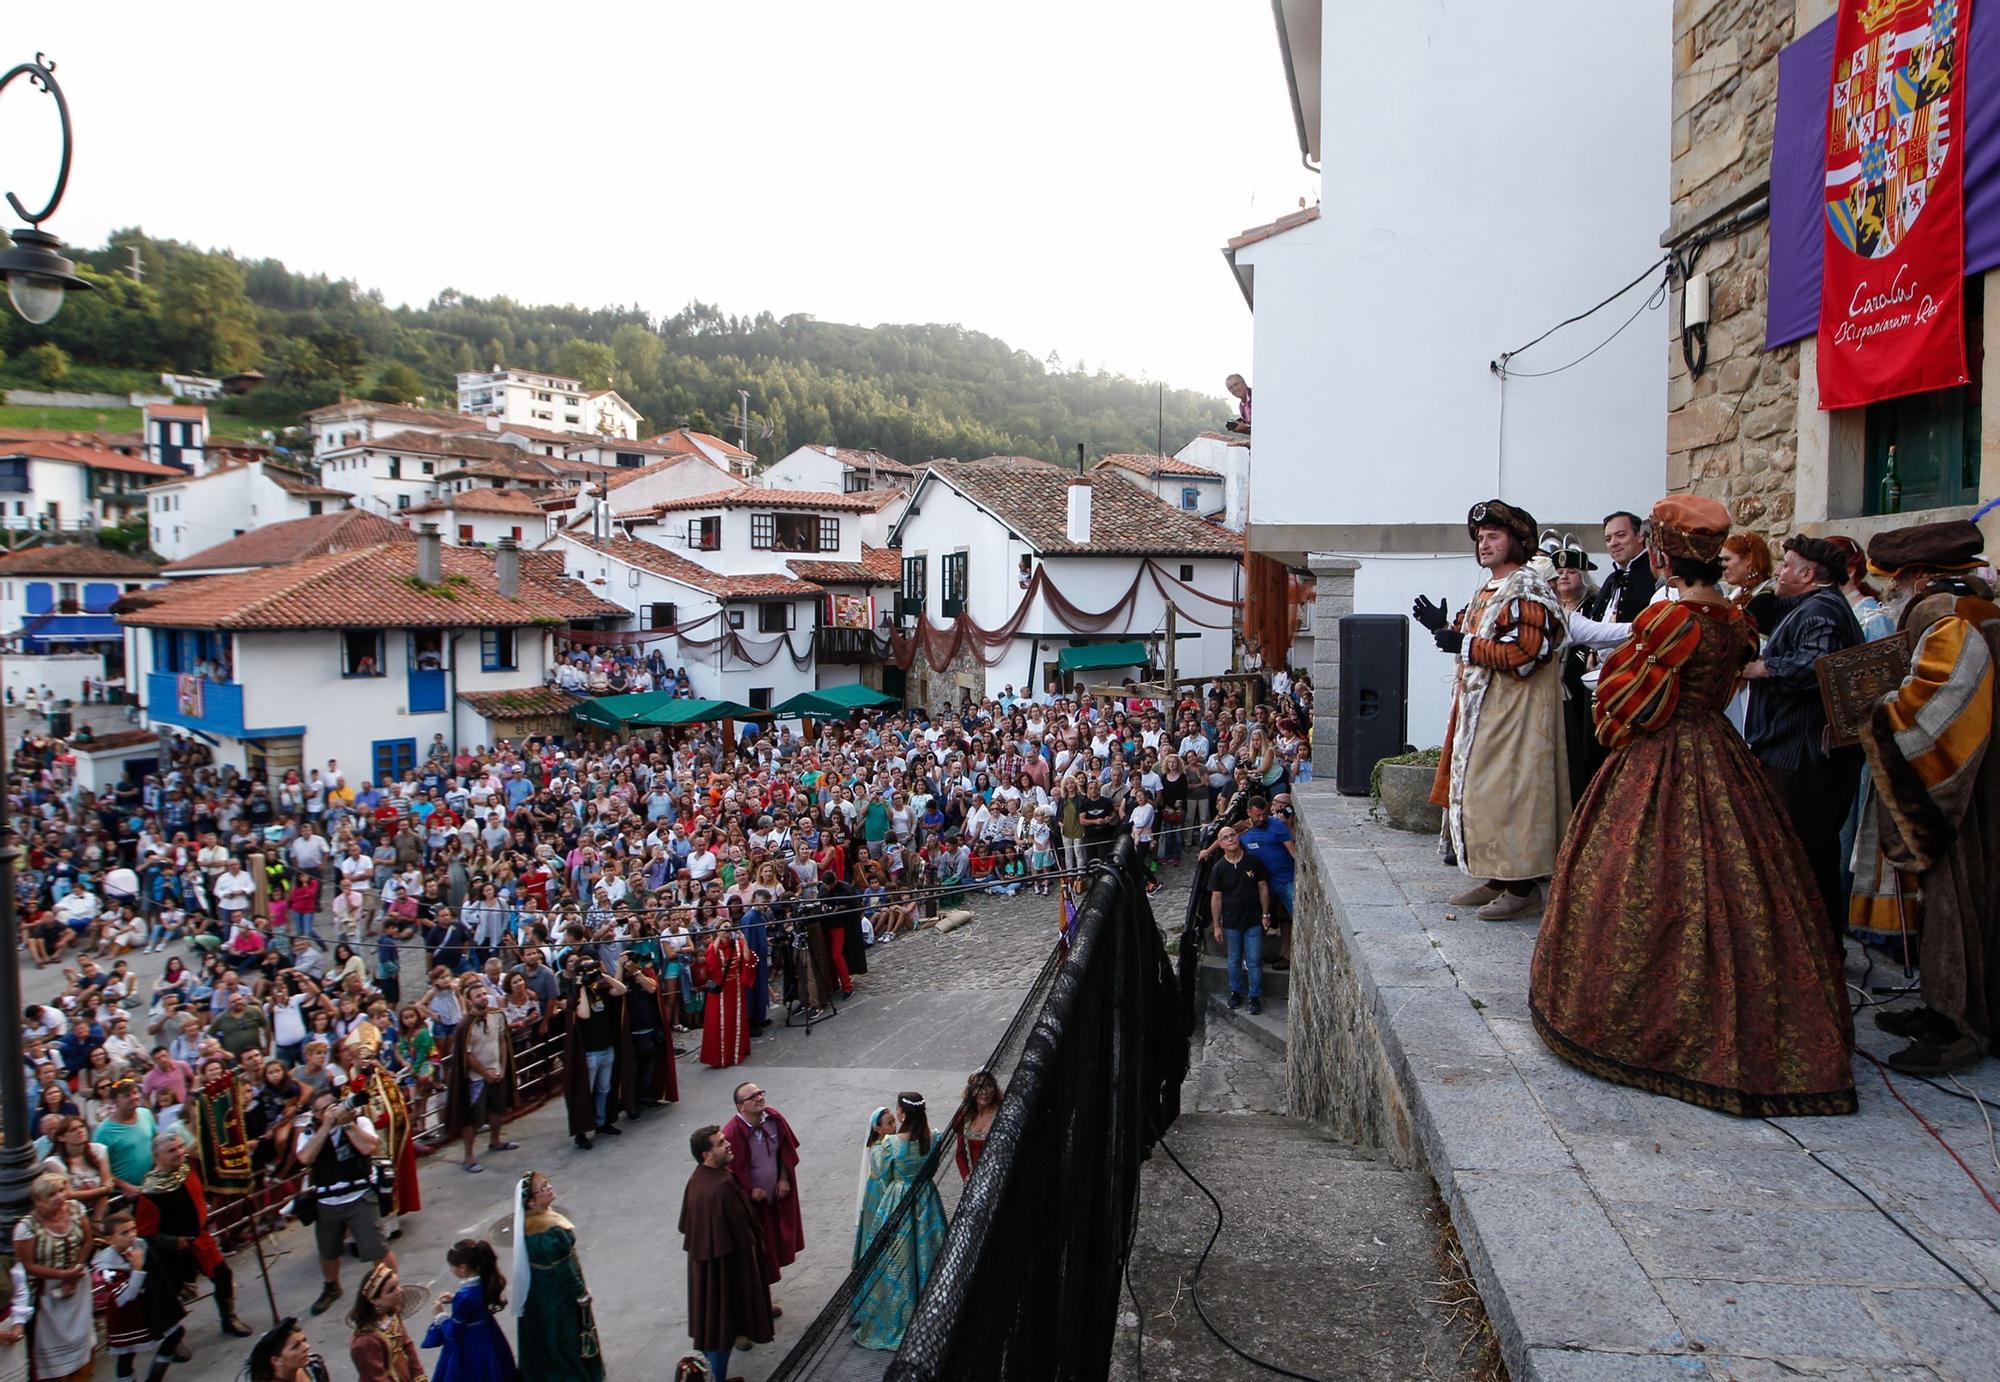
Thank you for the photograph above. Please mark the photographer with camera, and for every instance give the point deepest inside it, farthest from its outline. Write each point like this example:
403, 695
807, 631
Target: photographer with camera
594, 1048
339, 1194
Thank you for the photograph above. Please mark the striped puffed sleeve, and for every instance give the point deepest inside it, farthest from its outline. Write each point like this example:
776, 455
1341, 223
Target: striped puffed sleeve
1520, 643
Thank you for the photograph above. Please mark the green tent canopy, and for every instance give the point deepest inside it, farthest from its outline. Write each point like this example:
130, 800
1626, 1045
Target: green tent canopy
1096, 656
833, 702
693, 712
614, 712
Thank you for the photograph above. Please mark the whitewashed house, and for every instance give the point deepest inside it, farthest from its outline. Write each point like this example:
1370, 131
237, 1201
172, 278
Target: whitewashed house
758, 628
57, 487
482, 516
56, 618
1228, 455
1180, 484
844, 470
366, 656
187, 514
176, 435
734, 459
398, 471
1516, 176
856, 611
750, 529
609, 415
976, 533
350, 422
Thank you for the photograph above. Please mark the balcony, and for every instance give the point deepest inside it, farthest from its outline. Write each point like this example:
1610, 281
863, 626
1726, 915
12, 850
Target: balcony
191, 702
834, 647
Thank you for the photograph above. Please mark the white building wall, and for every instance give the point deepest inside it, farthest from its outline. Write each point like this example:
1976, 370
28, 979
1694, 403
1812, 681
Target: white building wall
62, 673
57, 490
684, 480
364, 473
736, 556
1374, 331
193, 515
487, 528
806, 468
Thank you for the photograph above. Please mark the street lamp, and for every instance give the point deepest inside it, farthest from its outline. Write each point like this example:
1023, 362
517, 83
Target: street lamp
37, 274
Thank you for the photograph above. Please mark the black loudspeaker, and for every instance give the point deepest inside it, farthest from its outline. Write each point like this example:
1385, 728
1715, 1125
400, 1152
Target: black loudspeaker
1374, 695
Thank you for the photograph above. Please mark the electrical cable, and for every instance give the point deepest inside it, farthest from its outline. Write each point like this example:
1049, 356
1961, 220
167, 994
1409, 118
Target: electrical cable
1992, 1142
1194, 1285
1901, 1227
1652, 300
1500, 364
1931, 1128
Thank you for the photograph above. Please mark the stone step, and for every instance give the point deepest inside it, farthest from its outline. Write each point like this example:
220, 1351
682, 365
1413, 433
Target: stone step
1215, 977
1266, 1028
1323, 1264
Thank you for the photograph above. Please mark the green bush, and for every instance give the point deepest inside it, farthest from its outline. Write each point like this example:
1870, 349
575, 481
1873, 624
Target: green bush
46, 364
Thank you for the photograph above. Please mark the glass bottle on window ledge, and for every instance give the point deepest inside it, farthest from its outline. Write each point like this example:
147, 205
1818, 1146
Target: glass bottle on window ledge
1891, 489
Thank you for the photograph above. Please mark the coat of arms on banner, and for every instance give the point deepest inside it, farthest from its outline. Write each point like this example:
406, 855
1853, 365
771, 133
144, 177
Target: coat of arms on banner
852, 611
1891, 122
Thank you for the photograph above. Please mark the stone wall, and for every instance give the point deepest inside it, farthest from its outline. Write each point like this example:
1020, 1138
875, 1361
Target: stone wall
1336, 1073
1732, 433
1333, 600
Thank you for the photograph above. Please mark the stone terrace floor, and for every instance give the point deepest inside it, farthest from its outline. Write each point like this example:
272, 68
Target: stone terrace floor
1619, 1235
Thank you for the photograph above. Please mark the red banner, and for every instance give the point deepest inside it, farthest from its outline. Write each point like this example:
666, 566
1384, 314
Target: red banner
1892, 299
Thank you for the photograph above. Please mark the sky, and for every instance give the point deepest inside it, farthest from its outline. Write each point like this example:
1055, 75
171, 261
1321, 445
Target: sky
1060, 175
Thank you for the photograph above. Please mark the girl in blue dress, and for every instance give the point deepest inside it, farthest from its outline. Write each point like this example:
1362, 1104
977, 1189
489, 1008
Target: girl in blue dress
893, 1165
474, 1346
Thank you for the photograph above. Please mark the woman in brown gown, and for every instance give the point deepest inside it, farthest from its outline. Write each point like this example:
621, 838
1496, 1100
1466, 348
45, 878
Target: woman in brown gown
1684, 950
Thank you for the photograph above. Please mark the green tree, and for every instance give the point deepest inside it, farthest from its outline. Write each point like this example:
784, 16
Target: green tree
210, 325
593, 362
639, 350
396, 382
47, 364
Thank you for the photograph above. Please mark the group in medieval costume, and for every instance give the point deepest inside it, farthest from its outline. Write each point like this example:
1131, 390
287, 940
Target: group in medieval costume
1683, 948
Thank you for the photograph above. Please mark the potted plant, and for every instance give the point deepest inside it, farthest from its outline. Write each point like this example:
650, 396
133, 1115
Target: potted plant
1402, 786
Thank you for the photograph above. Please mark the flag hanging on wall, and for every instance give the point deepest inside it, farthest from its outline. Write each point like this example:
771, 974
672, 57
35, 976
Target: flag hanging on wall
1892, 291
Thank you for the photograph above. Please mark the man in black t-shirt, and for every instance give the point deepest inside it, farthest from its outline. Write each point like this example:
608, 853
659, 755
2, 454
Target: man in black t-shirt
1239, 906
1099, 819
592, 1053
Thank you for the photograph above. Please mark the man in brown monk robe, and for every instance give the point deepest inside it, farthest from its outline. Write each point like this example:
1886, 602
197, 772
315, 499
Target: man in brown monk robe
728, 1295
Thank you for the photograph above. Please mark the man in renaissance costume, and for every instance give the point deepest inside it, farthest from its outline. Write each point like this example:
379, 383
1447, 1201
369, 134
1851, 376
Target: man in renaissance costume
729, 1292
765, 1162
1937, 782
172, 1216
1504, 779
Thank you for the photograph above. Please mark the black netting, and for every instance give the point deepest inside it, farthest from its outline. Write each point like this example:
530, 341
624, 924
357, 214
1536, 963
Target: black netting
1028, 1282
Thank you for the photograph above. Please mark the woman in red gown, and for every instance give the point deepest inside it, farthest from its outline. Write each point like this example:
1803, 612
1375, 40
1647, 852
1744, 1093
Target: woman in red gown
725, 1021
1684, 950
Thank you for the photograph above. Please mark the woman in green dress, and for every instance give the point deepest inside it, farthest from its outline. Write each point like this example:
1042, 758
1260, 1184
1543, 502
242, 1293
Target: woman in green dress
556, 1332
893, 1164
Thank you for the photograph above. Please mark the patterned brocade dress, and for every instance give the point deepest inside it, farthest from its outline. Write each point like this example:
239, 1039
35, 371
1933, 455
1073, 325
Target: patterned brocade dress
1684, 950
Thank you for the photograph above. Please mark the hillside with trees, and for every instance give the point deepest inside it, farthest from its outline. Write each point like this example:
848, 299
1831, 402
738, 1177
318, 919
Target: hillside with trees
913, 392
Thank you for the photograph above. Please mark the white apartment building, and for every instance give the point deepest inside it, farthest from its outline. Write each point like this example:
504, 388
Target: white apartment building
975, 533
552, 401
1512, 176
193, 512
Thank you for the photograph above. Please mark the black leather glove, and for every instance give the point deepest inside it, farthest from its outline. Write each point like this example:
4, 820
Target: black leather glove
1431, 616
1449, 640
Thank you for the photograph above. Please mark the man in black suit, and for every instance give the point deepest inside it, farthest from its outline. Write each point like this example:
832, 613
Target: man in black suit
1629, 587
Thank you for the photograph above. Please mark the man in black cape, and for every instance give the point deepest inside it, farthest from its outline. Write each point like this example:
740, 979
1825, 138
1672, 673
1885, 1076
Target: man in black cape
728, 1294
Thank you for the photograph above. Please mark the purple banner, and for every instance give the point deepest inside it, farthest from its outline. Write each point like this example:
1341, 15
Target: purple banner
1798, 169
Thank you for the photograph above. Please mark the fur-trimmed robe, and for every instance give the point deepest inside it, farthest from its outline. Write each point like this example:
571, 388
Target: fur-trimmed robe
1937, 792
1504, 777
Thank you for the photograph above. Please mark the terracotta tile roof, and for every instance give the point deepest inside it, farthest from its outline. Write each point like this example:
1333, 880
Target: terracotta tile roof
119, 739
484, 500
1149, 466
686, 438
1035, 461
75, 559
1230, 438
295, 540
1290, 221
529, 701
373, 587
300, 486
648, 556
521, 429
177, 412
463, 445
389, 412
95, 457
878, 566
862, 460
110, 441
1125, 520
757, 497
